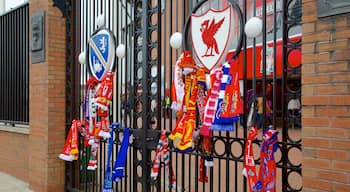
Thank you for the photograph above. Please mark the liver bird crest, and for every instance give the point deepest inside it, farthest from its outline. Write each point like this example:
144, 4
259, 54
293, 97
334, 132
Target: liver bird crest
208, 33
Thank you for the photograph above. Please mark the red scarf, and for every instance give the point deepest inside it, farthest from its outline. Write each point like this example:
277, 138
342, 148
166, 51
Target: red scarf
103, 98
187, 116
186, 125
266, 181
178, 87
70, 150
162, 151
211, 103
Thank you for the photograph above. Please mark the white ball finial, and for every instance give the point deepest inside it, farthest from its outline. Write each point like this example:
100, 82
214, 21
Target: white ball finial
176, 40
100, 21
253, 27
120, 51
82, 58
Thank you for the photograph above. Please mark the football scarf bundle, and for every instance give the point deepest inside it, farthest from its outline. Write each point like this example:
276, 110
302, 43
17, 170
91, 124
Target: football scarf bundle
90, 131
98, 109
95, 107
227, 108
266, 180
70, 150
107, 185
119, 164
187, 121
87, 129
162, 151
103, 98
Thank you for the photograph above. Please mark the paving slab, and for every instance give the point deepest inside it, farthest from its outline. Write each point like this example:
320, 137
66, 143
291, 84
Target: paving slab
9, 183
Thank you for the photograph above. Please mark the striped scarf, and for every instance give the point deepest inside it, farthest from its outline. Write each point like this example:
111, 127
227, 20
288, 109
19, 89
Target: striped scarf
162, 150
210, 106
221, 101
227, 108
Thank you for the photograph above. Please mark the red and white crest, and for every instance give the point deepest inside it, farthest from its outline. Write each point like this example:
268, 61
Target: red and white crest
210, 36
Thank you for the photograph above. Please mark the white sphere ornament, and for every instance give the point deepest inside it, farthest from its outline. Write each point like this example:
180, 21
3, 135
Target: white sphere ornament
253, 27
176, 40
82, 58
100, 21
120, 51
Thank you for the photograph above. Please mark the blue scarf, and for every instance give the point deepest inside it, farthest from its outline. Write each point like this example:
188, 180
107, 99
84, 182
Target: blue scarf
107, 186
118, 170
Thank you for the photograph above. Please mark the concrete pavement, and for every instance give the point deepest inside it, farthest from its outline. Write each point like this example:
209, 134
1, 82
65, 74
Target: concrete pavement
9, 183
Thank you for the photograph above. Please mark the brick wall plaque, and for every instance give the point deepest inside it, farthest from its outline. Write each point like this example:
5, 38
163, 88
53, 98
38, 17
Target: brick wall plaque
38, 37
332, 7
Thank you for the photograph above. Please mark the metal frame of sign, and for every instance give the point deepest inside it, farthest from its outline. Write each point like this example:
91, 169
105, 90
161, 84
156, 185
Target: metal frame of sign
98, 60
236, 10
225, 34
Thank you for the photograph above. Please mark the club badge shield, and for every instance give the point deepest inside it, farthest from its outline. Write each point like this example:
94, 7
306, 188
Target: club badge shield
101, 53
210, 33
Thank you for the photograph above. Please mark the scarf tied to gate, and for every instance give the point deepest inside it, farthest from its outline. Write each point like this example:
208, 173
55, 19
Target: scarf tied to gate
89, 110
70, 150
266, 181
87, 129
202, 92
100, 96
187, 116
119, 164
178, 87
103, 98
162, 151
97, 99
228, 100
107, 185
210, 106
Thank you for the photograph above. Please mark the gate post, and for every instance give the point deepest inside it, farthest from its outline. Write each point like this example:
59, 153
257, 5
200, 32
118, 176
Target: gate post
143, 79
47, 101
142, 84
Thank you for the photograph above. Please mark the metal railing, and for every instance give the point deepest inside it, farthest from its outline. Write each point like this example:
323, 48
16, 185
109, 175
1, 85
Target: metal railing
14, 66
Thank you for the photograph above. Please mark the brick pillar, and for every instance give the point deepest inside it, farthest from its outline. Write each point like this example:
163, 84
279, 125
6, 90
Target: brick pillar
47, 104
326, 100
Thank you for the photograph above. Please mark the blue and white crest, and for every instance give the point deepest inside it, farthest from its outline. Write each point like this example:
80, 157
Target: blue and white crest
101, 53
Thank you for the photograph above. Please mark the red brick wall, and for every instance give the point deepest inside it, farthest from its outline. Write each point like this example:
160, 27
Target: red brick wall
326, 100
47, 104
14, 154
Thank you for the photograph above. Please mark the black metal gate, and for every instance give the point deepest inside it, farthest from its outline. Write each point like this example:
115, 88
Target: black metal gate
143, 80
